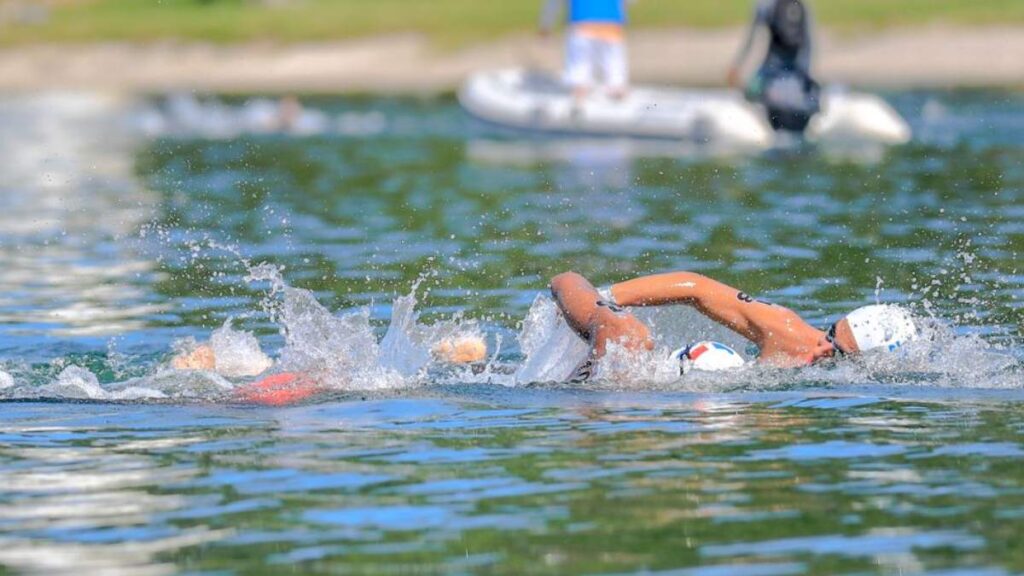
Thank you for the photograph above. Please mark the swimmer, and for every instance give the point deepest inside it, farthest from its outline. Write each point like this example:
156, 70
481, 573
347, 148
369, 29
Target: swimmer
289, 387
783, 337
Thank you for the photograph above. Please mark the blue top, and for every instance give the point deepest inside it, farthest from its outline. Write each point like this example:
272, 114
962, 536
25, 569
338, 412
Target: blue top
611, 11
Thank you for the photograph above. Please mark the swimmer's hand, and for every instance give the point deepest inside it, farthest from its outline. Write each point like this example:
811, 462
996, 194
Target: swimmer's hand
203, 357
199, 358
461, 350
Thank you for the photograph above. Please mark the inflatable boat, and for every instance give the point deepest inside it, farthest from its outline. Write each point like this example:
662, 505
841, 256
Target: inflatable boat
539, 102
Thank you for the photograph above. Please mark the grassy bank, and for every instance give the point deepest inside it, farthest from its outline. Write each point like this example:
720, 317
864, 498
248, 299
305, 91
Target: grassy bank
451, 22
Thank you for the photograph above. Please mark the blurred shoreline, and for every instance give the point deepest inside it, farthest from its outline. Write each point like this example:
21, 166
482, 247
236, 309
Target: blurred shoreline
930, 56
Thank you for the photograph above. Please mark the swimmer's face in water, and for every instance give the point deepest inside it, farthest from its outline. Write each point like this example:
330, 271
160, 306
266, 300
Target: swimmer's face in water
824, 349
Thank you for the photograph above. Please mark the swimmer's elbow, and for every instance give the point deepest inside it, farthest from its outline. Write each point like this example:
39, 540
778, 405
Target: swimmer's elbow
563, 281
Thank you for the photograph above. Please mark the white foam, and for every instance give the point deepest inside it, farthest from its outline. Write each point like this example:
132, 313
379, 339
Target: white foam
78, 382
180, 385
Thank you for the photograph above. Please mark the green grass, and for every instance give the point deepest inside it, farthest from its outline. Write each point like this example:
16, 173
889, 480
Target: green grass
450, 22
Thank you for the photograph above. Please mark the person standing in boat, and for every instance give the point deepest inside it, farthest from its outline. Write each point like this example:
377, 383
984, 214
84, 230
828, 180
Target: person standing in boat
596, 43
783, 83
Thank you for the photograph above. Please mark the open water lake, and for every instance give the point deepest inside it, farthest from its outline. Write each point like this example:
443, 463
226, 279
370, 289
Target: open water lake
125, 237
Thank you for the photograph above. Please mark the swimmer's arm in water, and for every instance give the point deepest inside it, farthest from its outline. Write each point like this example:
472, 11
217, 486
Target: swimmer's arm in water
598, 324
467, 349
199, 358
720, 302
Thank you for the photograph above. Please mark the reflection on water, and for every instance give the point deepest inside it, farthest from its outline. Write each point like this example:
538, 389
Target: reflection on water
460, 481
70, 205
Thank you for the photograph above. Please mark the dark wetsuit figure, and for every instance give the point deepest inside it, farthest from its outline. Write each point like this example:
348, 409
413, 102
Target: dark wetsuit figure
783, 83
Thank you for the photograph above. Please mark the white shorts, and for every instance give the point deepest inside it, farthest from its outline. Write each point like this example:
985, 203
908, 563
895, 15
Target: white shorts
588, 58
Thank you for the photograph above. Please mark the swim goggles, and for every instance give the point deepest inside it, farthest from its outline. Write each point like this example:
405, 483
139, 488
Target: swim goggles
830, 337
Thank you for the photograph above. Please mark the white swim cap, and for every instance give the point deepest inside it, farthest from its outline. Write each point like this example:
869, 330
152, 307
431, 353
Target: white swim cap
881, 326
708, 356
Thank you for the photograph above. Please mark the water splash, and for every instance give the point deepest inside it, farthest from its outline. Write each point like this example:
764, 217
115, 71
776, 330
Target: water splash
341, 352
76, 382
551, 349
399, 350
238, 353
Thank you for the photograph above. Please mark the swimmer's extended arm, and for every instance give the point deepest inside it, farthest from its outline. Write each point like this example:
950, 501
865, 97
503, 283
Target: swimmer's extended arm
594, 321
720, 302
